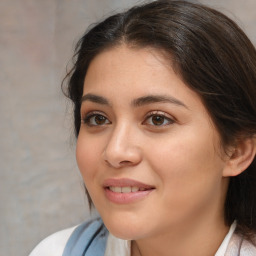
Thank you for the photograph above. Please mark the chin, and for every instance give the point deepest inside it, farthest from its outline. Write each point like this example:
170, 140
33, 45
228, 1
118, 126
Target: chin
124, 227
125, 234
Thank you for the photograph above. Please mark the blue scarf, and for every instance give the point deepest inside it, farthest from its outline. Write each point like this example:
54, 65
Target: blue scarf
89, 238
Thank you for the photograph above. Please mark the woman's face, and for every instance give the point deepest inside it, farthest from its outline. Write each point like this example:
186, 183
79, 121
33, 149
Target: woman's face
148, 152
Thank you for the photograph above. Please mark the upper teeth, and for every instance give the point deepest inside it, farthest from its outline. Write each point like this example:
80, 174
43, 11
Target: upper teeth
125, 189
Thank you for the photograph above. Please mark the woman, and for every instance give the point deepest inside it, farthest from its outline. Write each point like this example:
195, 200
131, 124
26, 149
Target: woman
165, 118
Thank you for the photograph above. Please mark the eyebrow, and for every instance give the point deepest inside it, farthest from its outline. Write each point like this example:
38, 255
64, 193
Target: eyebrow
145, 100
95, 98
155, 99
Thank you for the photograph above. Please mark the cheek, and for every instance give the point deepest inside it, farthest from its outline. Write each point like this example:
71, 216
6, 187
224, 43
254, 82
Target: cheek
87, 157
188, 166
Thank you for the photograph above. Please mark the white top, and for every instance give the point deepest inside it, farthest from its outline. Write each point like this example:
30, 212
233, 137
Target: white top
224, 245
54, 245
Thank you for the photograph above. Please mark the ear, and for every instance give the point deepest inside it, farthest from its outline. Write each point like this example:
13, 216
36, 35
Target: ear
241, 157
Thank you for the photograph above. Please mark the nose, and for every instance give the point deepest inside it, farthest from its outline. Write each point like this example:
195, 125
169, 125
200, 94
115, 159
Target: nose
122, 148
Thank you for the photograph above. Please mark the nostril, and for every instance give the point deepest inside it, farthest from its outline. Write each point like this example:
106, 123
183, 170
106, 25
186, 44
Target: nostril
125, 162
108, 163
118, 164
121, 157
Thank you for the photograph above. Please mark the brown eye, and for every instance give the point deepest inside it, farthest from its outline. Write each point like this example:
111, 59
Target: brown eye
158, 120
95, 120
100, 120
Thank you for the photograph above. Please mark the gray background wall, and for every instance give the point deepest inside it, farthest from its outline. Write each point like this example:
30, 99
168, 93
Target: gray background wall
40, 187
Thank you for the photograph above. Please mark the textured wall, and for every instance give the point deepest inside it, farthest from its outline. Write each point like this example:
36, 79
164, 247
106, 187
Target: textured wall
40, 186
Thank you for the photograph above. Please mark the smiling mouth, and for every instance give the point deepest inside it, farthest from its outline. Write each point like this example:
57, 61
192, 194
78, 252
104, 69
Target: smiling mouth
125, 185
127, 189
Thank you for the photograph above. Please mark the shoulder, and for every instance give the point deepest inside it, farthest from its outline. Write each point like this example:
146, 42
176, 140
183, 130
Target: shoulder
248, 247
89, 236
239, 245
54, 244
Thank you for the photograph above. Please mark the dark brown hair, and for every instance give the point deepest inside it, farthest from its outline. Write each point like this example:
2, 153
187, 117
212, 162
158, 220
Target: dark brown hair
211, 54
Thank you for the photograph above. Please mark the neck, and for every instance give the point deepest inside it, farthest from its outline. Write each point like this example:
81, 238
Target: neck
201, 234
201, 239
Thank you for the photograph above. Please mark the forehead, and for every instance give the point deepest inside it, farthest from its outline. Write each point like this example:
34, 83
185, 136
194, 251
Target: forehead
129, 66
124, 59
125, 71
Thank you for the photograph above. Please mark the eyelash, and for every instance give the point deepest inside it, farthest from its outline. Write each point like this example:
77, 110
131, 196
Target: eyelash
167, 119
88, 119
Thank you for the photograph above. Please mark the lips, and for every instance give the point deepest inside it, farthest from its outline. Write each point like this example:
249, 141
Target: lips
123, 191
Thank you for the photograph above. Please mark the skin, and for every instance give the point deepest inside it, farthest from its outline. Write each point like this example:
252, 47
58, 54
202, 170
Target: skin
181, 156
